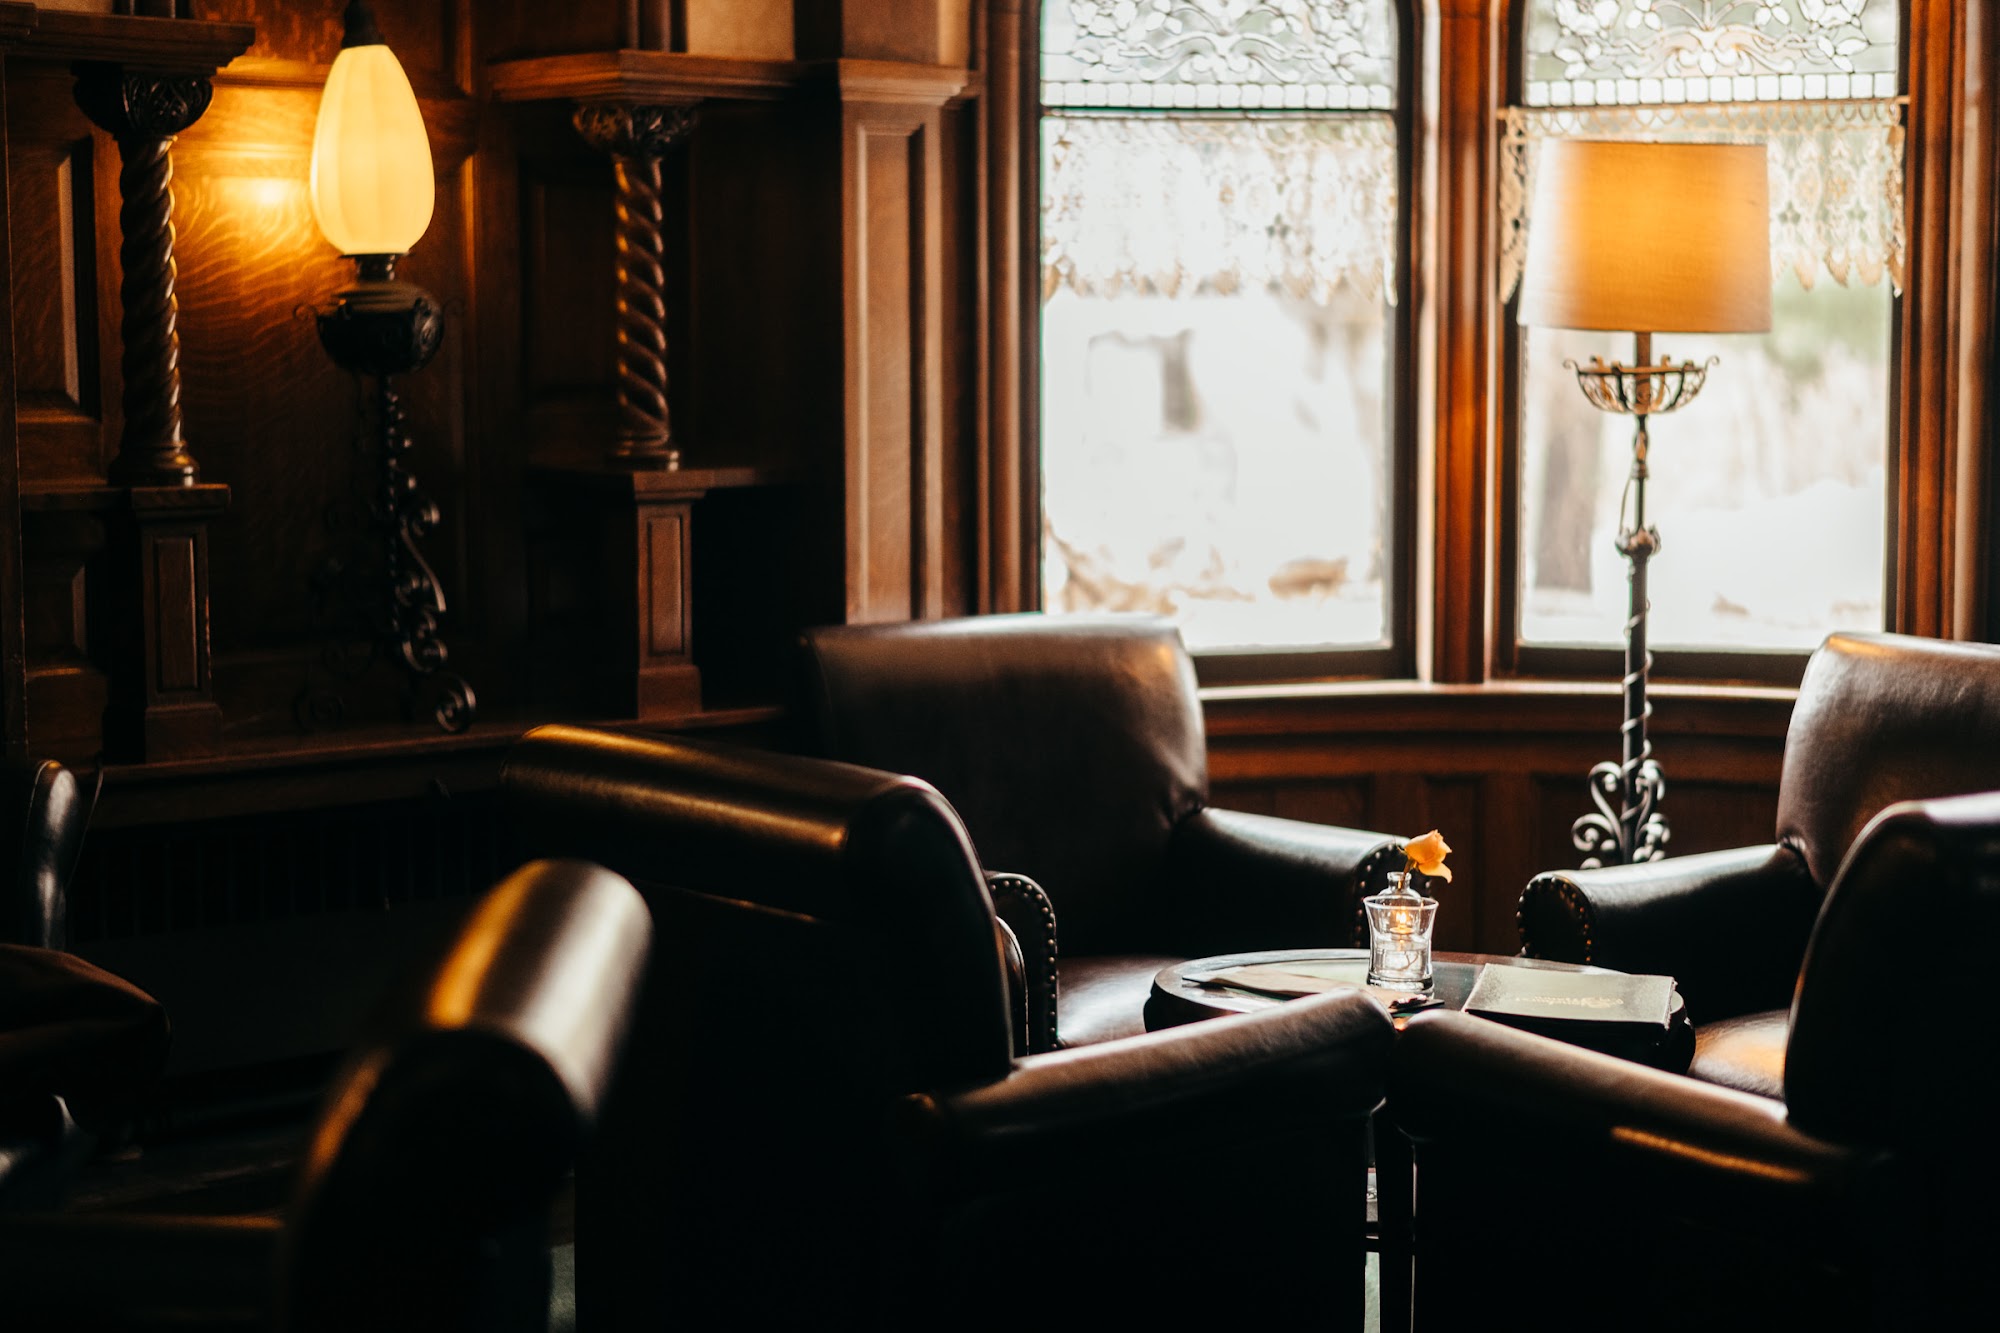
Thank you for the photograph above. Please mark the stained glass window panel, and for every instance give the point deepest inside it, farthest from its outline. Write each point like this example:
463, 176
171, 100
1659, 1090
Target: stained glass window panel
1581, 53
1219, 54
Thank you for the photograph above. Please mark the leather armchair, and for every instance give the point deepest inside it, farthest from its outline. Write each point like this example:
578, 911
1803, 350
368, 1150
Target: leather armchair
425, 1196
78, 1046
42, 815
824, 1124
1601, 1194
1880, 718
1073, 748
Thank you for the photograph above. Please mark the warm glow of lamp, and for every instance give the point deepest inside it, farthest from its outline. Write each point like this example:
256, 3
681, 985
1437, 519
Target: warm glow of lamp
372, 185
1649, 237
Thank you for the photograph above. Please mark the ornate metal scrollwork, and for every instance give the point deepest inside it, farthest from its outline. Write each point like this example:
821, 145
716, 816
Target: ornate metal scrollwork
385, 600
636, 137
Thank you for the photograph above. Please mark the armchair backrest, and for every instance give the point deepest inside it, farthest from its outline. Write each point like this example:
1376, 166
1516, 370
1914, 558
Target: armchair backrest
1071, 746
827, 946
807, 865
1883, 718
425, 1196
1898, 985
42, 817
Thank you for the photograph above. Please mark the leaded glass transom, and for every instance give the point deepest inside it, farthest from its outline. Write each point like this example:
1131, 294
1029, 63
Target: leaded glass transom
1269, 55
1639, 52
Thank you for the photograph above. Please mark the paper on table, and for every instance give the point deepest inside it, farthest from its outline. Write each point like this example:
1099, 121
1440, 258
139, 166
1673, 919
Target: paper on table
1292, 980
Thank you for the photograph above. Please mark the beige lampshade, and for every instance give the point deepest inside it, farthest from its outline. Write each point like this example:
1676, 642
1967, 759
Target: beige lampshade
372, 187
1649, 237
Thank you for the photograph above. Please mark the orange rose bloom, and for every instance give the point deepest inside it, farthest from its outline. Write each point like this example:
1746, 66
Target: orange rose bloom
1426, 855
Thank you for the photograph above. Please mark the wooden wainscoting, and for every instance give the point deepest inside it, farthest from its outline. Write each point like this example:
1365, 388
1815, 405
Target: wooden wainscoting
1500, 769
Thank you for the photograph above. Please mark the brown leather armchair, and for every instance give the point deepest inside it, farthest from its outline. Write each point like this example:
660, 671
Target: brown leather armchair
824, 1126
1073, 748
1880, 718
43, 811
425, 1196
1594, 1193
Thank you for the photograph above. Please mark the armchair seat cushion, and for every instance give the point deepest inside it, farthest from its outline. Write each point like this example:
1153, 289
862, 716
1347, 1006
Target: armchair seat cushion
1104, 998
1746, 1053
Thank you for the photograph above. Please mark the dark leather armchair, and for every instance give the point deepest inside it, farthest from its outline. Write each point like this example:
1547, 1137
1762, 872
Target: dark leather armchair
824, 1125
43, 811
425, 1196
78, 1046
1073, 748
1593, 1193
1880, 718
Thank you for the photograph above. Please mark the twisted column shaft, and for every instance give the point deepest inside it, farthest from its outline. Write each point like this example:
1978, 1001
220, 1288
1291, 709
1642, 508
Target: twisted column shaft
144, 110
151, 450
641, 305
637, 137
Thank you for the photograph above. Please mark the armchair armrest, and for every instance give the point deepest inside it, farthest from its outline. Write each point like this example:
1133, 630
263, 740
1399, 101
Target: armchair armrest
100, 1271
1312, 1062
1457, 1079
1723, 1209
1247, 1133
1730, 927
1240, 881
1025, 912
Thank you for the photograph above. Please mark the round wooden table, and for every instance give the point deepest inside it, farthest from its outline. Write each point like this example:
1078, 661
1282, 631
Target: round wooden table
1176, 999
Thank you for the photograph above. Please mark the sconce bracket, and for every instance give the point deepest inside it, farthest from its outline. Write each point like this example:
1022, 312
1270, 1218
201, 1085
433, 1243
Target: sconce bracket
379, 326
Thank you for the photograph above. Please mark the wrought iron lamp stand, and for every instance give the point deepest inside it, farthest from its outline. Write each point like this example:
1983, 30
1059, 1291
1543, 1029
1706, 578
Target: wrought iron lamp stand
382, 327
1636, 830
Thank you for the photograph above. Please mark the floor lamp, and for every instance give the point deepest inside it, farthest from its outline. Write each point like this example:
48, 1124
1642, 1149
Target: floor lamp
1642, 237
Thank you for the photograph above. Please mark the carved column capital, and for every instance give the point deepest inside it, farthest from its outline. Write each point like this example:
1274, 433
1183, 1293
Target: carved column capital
142, 104
627, 130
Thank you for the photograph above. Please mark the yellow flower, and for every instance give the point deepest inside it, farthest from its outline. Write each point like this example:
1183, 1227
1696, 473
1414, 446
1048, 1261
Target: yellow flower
1426, 855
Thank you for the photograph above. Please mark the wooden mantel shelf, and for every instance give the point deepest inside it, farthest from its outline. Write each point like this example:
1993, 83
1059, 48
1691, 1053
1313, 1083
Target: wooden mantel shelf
179, 45
676, 77
642, 76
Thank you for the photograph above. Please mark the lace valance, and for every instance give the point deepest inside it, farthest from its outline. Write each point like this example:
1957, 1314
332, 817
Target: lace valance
1836, 176
1173, 206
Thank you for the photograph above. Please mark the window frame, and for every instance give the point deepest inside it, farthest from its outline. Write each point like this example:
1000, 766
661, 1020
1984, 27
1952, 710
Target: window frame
1453, 618
1396, 656
1516, 658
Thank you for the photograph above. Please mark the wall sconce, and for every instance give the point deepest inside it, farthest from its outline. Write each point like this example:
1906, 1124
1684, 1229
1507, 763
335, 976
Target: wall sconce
1641, 237
372, 193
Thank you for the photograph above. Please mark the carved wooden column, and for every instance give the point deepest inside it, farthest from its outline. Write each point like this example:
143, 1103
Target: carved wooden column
144, 110
123, 612
637, 137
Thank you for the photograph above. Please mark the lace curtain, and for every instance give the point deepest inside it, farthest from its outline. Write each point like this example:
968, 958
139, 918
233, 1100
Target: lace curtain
1836, 176
1297, 206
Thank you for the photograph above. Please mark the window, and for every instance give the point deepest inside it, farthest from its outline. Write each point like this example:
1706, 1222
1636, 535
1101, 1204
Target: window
1770, 490
1218, 413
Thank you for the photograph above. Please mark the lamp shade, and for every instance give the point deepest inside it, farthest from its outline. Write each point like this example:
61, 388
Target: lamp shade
372, 189
1649, 237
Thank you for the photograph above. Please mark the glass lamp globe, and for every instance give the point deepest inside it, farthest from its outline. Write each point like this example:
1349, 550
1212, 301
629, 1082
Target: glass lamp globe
372, 188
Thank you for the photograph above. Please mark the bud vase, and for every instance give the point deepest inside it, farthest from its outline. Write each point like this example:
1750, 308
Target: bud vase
1399, 936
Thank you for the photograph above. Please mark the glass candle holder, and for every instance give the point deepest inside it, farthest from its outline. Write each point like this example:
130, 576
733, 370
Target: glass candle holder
1399, 937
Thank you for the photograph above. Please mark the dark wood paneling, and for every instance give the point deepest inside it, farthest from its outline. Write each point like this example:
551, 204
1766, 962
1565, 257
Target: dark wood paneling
270, 415
62, 178
517, 29
423, 33
881, 574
